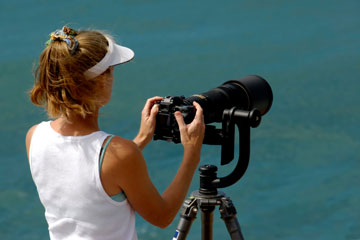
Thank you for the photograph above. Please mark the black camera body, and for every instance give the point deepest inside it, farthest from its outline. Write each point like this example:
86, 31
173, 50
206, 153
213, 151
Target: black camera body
166, 125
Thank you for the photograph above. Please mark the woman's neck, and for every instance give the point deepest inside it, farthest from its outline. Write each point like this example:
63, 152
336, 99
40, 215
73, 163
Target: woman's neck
76, 125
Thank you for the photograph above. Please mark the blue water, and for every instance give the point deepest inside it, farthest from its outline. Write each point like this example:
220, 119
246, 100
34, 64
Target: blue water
304, 173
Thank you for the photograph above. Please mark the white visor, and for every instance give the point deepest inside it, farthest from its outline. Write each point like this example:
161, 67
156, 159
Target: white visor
115, 55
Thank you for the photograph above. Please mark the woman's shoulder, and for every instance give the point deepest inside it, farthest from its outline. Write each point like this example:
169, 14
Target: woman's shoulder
28, 137
123, 148
121, 155
31, 130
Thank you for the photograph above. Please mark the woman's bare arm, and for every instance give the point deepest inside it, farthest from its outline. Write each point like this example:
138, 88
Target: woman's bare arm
124, 161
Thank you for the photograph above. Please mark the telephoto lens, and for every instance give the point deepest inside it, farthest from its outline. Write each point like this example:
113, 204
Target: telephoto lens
245, 93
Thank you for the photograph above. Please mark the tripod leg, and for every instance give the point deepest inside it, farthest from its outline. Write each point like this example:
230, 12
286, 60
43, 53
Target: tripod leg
188, 214
207, 216
228, 215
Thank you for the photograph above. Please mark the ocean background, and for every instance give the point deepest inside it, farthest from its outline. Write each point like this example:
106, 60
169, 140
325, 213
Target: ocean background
303, 181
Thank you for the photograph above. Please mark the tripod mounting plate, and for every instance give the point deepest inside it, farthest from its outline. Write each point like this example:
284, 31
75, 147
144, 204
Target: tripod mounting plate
199, 195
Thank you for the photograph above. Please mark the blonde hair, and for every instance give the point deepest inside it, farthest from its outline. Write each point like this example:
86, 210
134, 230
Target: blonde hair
60, 85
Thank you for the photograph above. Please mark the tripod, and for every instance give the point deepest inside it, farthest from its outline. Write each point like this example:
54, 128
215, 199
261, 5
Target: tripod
207, 200
208, 197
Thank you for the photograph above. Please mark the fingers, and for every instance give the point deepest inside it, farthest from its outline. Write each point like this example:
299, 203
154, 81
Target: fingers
199, 112
180, 120
149, 105
150, 102
192, 134
154, 99
154, 111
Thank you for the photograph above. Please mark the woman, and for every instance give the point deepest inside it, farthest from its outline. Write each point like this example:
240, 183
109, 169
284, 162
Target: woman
91, 182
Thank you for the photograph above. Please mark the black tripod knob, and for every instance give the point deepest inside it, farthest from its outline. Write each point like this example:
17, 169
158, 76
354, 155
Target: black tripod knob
207, 175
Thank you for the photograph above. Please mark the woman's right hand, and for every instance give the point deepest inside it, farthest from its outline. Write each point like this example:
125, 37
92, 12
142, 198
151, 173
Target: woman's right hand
192, 135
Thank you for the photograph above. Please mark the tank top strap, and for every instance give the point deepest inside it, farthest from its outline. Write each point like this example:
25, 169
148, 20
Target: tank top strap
103, 149
120, 196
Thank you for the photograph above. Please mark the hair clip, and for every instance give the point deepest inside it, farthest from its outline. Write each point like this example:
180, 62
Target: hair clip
67, 35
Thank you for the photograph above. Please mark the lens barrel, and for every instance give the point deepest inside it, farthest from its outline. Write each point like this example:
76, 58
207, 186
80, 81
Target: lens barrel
245, 93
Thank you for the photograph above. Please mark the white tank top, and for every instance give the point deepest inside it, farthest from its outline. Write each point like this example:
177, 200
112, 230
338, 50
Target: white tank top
65, 170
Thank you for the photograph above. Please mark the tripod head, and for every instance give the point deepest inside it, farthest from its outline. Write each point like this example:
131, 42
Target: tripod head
209, 182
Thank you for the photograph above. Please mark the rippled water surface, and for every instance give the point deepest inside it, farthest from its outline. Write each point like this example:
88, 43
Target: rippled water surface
303, 178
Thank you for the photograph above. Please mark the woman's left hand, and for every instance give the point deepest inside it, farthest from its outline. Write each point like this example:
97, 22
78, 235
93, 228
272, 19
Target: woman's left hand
148, 122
